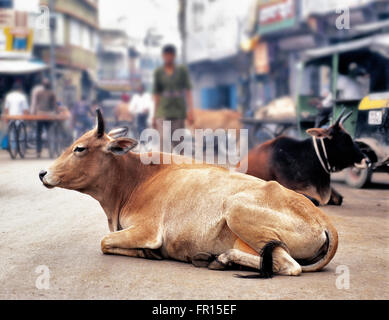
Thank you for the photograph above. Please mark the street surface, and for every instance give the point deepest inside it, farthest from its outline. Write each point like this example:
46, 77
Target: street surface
62, 230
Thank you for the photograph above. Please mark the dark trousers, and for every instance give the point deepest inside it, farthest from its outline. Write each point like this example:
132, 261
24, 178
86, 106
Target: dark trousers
141, 123
40, 126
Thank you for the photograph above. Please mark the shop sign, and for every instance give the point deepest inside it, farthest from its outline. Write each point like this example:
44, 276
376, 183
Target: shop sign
16, 38
276, 15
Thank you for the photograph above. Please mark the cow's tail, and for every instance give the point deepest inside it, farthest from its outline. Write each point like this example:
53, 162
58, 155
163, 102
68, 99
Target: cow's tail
325, 254
266, 267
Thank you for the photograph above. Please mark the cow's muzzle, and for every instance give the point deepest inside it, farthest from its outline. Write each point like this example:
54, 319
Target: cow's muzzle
46, 179
42, 175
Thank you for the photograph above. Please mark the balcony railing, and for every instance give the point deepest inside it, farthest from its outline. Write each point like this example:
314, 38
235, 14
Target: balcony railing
74, 57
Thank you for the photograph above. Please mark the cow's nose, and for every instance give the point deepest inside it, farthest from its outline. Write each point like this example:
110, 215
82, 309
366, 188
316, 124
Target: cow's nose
42, 174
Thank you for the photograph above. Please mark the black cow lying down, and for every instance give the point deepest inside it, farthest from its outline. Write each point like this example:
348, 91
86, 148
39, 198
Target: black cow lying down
306, 166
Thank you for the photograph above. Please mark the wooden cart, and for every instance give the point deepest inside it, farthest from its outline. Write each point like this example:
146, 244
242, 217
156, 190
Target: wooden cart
21, 134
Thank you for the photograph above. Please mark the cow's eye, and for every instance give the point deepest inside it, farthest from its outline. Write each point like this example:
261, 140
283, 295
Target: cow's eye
79, 149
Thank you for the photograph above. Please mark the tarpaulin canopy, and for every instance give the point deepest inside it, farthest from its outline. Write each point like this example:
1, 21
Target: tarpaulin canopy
378, 43
17, 67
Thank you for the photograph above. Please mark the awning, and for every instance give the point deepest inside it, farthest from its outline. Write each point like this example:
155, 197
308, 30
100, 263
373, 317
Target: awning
18, 67
378, 43
371, 27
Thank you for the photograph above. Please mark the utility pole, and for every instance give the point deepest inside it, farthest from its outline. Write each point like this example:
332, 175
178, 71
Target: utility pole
53, 28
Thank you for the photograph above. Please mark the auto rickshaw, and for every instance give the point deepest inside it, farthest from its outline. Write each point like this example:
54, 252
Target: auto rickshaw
372, 136
369, 122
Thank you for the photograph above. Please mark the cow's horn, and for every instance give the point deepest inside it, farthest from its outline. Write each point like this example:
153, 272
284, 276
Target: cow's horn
100, 123
337, 122
348, 115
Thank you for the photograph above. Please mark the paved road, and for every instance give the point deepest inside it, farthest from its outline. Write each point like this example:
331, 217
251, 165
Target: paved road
62, 230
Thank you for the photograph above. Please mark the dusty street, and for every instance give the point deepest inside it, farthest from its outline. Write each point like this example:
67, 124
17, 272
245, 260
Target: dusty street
62, 230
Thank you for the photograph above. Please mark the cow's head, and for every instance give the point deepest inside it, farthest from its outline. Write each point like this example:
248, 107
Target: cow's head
82, 164
342, 151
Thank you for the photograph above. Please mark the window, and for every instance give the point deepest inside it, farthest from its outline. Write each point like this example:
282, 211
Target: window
75, 33
85, 38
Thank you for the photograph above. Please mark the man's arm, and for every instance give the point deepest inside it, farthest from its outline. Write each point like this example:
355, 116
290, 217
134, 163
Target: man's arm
56, 107
6, 106
157, 99
188, 96
157, 90
189, 101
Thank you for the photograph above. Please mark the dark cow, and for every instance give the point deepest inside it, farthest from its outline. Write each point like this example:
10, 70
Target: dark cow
305, 166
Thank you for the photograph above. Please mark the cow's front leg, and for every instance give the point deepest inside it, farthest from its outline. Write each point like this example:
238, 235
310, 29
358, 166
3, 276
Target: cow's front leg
133, 242
336, 198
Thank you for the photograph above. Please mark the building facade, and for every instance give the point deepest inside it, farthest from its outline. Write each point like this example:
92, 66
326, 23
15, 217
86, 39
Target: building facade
212, 32
17, 37
76, 41
285, 28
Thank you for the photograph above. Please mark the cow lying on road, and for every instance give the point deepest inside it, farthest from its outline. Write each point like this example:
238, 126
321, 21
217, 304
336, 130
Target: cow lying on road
193, 213
306, 166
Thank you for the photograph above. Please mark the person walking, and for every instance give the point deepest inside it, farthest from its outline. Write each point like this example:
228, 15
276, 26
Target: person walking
123, 115
16, 101
82, 116
172, 96
46, 104
34, 93
141, 106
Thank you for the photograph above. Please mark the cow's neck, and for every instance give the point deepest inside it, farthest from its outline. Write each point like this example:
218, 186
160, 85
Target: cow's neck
126, 173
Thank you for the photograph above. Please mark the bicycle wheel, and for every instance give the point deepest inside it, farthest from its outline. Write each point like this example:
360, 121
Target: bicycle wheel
12, 140
22, 139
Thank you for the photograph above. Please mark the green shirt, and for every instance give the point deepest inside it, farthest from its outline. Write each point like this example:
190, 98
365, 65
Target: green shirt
171, 89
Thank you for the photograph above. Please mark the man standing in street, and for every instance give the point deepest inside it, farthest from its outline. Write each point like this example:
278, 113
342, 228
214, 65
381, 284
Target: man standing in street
46, 103
16, 102
123, 115
82, 116
172, 96
34, 93
141, 106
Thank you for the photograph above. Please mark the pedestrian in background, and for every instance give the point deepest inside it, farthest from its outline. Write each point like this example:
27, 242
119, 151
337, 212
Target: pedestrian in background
123, 115
46, 104
172, 95
16, 101
34, 93
142, 107
82, 116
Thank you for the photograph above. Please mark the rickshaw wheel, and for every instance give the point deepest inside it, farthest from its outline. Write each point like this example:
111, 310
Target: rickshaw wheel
12, 140
52, 141
358, 178
22, 139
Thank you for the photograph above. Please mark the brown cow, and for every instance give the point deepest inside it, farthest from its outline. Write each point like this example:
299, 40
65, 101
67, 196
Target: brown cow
305, 166
193, 213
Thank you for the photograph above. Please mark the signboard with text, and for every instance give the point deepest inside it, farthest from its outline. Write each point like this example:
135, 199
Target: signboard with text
16, 38
276, 15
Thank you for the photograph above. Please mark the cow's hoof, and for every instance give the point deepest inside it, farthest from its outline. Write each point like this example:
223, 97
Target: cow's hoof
202, 259
336, 201
217, 265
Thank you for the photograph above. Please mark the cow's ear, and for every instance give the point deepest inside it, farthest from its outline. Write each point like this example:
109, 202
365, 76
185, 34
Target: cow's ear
118, 133
319, 133
121, 146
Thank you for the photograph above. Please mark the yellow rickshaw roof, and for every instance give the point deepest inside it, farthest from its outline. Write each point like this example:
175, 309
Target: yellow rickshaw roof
375, 101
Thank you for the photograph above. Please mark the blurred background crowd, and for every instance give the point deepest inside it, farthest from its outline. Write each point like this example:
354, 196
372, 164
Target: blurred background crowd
72, 56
